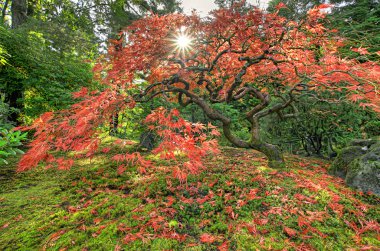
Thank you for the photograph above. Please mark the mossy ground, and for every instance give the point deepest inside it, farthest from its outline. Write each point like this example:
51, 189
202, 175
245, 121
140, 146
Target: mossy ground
238, 203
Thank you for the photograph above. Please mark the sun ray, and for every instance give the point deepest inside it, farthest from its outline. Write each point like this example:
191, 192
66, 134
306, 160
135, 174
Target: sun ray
182, 42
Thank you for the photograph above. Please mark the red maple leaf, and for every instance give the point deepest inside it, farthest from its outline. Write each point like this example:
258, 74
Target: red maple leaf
223, 246
290, 232
207, 238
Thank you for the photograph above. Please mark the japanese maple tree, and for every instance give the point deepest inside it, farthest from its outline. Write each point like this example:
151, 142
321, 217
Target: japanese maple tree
229, 57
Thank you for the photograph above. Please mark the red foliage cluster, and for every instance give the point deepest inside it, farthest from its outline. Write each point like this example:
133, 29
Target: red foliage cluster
277, 51
71, 130
180, 139
75, 130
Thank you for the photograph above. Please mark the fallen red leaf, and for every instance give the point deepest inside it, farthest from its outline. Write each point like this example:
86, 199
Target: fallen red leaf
97, 221
223, 247
207, 238
290, 232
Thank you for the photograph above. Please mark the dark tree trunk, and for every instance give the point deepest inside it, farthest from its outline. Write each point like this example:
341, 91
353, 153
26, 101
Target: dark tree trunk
14, 100
4, 11
192, 115
19, 12
114, 124
273, 152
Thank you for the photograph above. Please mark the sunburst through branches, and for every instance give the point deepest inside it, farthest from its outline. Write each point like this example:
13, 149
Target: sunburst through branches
183, 42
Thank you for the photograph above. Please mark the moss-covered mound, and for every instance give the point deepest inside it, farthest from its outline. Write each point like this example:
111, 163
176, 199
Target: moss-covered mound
359, 165
364, 172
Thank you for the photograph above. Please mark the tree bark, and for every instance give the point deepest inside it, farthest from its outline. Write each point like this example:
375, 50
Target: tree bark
114, 124
14, 100
19, 12
4, 11
273, 152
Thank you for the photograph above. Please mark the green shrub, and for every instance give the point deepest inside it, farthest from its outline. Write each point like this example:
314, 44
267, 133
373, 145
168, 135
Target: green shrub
372, 128
9, 143
5, 112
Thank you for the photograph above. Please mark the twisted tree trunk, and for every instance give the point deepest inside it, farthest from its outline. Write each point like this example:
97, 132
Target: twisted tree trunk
273, 153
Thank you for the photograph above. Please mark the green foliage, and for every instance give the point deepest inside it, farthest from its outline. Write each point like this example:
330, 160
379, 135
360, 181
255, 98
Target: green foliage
121, 13
88, 22
9, 143
48, 54
3, 55
5, 112
38, 78
359, 22
320, 127
372, 128
295, 9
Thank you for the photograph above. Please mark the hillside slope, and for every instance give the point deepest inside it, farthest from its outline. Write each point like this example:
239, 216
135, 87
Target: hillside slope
237, 204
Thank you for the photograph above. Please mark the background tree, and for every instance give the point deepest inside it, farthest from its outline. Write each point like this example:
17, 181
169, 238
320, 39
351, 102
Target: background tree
36, 78
358, 22
295, 10
321, 127
52, 46
242, 6
19, 12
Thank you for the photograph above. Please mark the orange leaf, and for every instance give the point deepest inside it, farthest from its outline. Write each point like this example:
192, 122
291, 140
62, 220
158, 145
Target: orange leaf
223, 247
97, 221
290, 232
207, 238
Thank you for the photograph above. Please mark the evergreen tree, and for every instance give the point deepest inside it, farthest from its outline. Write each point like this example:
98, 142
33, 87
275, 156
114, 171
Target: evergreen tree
359, 23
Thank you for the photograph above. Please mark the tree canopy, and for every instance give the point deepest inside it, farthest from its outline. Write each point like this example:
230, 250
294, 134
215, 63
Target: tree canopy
229, 58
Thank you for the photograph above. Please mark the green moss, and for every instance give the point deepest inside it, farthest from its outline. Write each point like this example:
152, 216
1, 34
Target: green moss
106, 206
248, 242
354, 168
196, 248
164, 244
218, 228
323, 197
345, 157
135, 245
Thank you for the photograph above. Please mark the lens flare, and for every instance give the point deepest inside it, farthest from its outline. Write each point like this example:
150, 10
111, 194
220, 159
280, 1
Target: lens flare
183, 41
